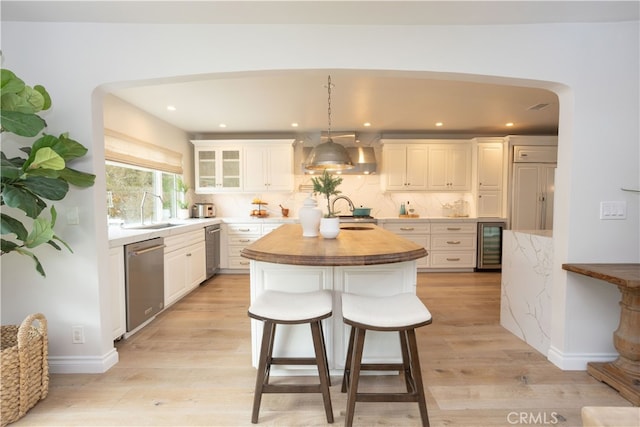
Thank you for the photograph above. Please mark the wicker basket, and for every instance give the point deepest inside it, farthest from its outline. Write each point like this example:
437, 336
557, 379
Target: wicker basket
25, 370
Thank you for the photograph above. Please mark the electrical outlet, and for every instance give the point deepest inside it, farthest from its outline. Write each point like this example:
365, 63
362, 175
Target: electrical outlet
77, 334
613, 210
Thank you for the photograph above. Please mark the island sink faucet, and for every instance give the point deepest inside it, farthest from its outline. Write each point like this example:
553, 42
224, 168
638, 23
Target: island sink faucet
144, 197
351, 205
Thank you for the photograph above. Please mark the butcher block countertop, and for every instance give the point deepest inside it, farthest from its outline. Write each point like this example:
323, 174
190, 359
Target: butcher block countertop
285, 245
627, 275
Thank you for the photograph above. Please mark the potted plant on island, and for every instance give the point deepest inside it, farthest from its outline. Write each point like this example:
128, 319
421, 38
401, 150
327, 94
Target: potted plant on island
327, 184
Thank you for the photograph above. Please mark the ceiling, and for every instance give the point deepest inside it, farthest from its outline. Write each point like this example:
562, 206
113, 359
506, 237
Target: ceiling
393, 102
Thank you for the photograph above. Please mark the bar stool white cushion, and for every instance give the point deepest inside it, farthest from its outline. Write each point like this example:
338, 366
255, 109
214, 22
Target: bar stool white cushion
396, 311
291, 306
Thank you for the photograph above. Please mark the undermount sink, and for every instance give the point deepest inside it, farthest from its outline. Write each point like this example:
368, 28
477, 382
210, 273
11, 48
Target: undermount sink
355, 227
158, 226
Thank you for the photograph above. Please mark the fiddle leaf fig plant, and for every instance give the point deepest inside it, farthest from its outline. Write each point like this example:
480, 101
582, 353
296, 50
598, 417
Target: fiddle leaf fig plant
327, 184
43, 174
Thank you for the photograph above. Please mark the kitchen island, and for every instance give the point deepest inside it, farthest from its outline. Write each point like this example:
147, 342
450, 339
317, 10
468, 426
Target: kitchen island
365, 260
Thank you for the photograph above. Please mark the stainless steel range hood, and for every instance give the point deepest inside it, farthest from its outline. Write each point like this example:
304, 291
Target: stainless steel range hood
363, 158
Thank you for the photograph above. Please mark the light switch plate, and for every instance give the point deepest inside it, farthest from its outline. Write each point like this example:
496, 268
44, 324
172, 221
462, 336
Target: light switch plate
613, 210
72, 216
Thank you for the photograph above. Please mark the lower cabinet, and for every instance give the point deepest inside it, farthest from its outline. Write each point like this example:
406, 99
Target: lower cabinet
453, 244
417, 232
117, 292
184, 264
241, 235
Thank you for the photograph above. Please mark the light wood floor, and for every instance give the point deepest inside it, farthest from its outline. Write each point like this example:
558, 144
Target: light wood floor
192, 367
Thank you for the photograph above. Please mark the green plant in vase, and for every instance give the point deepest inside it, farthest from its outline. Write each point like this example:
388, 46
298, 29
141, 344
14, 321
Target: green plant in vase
27, 182
327, 184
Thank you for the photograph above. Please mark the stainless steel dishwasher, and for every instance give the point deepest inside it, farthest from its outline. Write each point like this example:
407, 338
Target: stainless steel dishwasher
144, 280
212, 243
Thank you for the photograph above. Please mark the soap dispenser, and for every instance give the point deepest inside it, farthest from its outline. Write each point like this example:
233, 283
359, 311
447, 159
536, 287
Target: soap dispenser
310, 216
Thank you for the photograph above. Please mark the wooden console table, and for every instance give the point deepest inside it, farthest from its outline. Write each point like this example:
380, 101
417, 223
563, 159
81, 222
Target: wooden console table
623, 374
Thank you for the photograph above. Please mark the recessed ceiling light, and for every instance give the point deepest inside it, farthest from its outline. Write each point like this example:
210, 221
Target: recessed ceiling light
439, 124
510, 124
294, 125
171, 107
366, 124
222, 125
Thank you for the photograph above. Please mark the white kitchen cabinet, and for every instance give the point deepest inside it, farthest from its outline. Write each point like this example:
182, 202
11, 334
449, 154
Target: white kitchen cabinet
490, 178
417, 232
239, 236
218, 167
268, 166
449, 167
404, 166
117, 292
184, 264
532, 196
453, 245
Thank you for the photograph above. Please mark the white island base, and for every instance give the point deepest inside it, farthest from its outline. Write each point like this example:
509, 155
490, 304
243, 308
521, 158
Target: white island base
295, 340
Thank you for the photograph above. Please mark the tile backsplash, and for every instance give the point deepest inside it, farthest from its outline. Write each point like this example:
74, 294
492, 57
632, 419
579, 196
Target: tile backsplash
363, 190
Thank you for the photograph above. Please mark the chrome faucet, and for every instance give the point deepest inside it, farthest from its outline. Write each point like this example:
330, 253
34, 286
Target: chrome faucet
351, 206
144, 197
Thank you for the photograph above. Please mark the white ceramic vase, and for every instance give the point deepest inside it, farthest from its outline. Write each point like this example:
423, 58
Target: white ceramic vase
330, 227
310, 215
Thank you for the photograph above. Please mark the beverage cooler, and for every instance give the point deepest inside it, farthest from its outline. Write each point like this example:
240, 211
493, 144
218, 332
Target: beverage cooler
489, 245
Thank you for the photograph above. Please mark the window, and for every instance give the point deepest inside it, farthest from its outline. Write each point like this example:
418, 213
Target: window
126, 186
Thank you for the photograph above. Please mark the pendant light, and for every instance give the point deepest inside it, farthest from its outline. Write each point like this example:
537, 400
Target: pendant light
329, 155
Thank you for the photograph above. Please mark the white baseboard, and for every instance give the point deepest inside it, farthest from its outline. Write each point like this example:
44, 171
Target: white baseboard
83, 364
577, 361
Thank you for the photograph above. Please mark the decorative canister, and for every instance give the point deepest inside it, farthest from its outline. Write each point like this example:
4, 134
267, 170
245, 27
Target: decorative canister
310, 215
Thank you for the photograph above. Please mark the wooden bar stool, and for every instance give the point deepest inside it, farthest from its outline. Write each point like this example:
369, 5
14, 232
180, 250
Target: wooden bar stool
287, 308
402, 313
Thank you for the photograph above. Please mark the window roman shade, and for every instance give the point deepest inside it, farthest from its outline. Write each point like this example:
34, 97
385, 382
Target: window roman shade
125, 149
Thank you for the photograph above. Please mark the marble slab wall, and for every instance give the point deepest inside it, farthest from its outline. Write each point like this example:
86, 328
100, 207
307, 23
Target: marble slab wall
525, 303
363, 190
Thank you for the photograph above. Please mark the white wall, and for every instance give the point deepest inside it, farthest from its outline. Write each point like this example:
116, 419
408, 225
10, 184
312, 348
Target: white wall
593, 68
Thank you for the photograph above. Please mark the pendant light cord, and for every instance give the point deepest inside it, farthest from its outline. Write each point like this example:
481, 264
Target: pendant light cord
329, 108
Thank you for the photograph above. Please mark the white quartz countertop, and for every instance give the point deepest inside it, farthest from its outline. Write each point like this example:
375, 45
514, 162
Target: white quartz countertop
119, 236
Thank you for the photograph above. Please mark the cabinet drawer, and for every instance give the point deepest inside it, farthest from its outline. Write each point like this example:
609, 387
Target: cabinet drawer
453, 242
238, 262
442, 228
452, 259
244, 229
181, 240
241, 240
409, 227
268, 228
535, 154
235, 250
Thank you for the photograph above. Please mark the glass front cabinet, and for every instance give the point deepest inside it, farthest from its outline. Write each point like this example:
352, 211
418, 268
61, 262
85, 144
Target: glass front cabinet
217, 169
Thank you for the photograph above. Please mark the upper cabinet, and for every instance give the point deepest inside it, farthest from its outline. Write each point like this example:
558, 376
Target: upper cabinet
449, 167
217, 167
268, 166
491, 165
243, 166
404, 166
